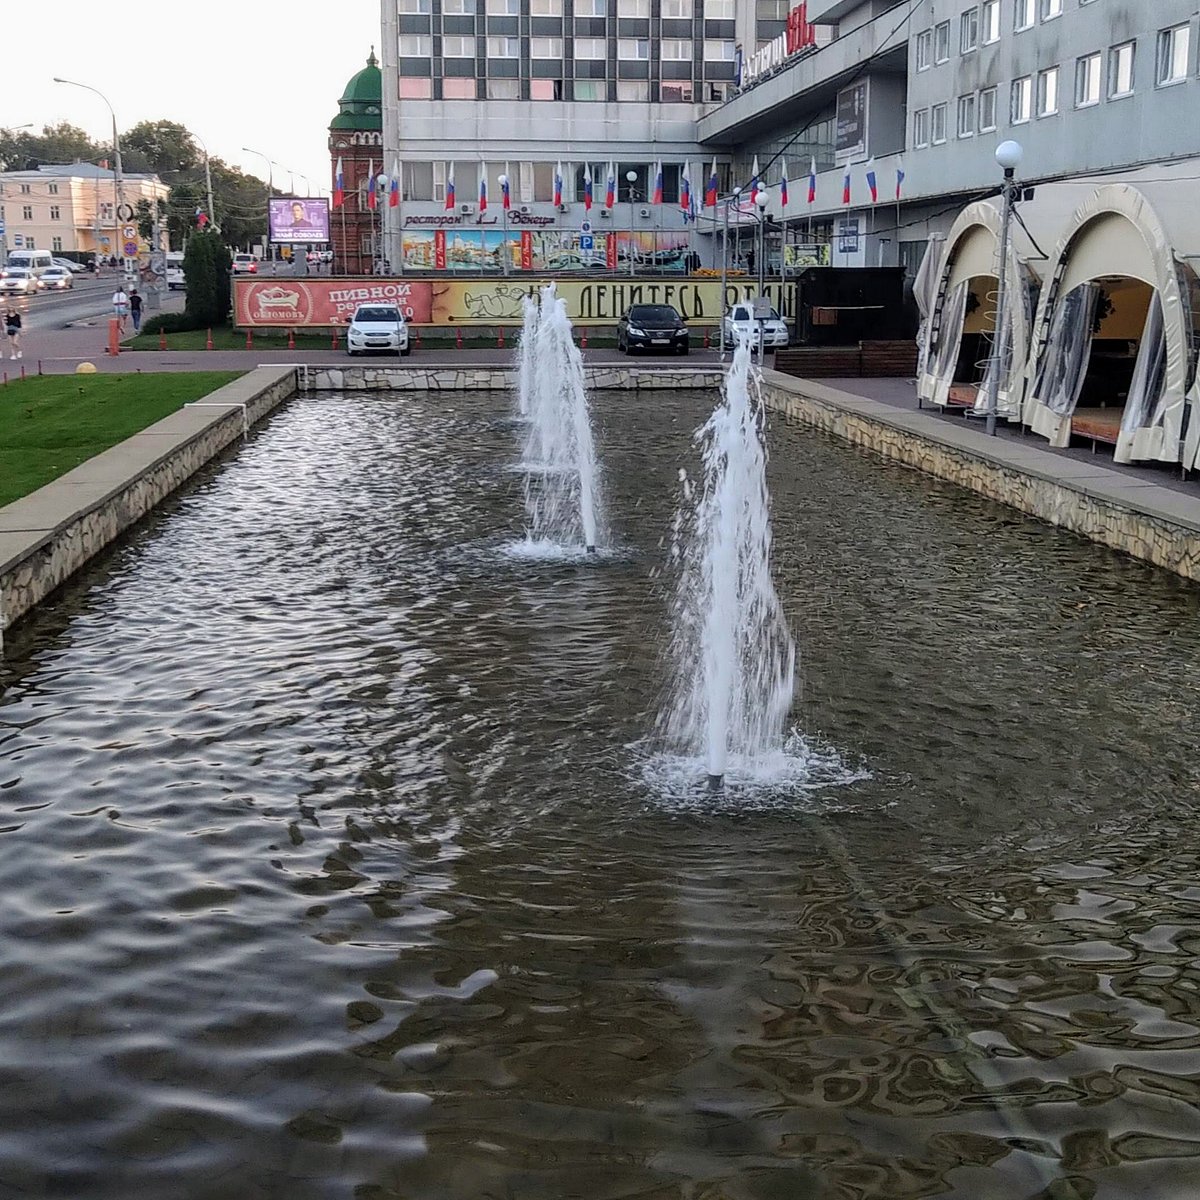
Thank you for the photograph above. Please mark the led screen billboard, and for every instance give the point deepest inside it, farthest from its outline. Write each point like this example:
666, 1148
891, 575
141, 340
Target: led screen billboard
299, 219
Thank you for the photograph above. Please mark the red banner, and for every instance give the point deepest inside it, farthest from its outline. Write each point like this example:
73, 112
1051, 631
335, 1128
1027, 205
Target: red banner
297, 302
526, 250
610, 250
439, 249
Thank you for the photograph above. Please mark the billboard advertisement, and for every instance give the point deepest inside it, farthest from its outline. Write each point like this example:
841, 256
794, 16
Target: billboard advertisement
298, 219
476, 251
850, 122
293, 303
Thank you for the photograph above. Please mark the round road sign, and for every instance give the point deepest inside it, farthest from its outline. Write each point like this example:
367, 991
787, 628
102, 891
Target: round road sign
131, 249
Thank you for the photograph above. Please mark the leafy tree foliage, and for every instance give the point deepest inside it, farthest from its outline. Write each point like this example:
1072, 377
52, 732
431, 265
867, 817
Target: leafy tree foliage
206, 264
164, 147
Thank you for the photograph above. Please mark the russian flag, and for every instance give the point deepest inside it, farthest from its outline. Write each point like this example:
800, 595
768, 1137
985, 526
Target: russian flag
658, 186
872, 182
610, 187
339, 186
506, 193
558, 185
710, 194
482, 188
754, 181
846, 185
587, 187
685, 192
783, 193
201, 218
899, 181
372, 199
394, 190
812, 182
450, 189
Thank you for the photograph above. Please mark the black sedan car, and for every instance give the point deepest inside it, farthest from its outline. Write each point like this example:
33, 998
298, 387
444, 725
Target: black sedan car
652, 327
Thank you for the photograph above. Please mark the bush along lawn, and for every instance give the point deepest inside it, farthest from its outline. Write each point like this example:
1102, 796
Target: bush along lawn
52, 423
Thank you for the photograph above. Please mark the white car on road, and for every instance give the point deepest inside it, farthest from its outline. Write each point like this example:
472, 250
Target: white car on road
57, 279
740, 322
377, 327
19, 281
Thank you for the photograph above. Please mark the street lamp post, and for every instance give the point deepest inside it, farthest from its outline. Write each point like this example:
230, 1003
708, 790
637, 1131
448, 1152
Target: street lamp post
207, 180
381, 184
631, 179
270, 190
119, 174
1008, 156
504, 254
733, 199
761, 202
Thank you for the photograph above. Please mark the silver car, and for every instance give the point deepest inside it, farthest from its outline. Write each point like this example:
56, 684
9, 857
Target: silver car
57, 279
18, 281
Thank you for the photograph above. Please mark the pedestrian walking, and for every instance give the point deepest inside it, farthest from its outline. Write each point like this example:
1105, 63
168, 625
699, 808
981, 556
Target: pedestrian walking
135, 309
12, 327
120, 306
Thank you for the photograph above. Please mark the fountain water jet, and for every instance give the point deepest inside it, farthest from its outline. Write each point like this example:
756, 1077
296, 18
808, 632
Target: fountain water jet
562, 499
734, 658
526, 352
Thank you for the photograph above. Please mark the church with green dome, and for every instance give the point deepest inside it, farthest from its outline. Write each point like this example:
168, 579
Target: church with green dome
356, 137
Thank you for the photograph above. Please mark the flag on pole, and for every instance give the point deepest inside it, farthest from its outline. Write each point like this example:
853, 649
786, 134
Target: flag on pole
339, 186
872, 182
685, 192
899, 182
506, 192
610, 187
812, 182
482, 188
587, 187
754, 181
558, 181
658, 182
846, 185
710, 193
783, 192
450, 189
372, 201
693, 204
394, 190
201, 218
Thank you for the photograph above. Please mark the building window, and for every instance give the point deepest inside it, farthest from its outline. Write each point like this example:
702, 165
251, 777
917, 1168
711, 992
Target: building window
53, 189
25, 189
591, 89
633, 8
633, 49
966, 116
27, 212
545, 8
590, 48
1023, 14
921, 127
458, 46
1021, 104
546, 47
55, 213
457, 88
715, 51
458, 8
545, 89
941, 42
968, 31
924, 49
1087, 80
504, 8
720, 10
503, 47
591, 8
1173, 47
1120, 71
414, 6
990, 21
987, 110
503, 89
56, 244
30, 244
415, 45
675, 49
676, 92
416, 87
677, 10
1051, 9
1047, 92
937, 122
633, 89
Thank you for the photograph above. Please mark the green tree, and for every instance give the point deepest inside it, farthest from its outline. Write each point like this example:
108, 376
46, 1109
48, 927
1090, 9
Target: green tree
61, 143
145, 217
164, 147
206, 264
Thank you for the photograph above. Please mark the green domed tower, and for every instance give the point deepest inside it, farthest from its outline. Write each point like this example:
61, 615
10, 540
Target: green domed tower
356, 137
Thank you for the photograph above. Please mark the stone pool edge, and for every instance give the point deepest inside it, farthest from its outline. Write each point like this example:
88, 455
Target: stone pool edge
1141, 519
50, 534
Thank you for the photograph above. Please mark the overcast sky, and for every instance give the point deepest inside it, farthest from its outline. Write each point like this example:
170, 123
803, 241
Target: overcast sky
235, 72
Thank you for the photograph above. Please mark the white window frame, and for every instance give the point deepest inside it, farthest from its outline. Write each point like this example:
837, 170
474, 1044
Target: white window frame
720, 10
55, 213
503, 8
1024, 15
677, 10
1021, 88
920, 132
1049, 95
421, 8
546, 49
1051, 10
941, 42
725, 51
1089, 80
967, 115
989, 22
458, 8
642, 85
458, 45
988, 96
633, 8
924, 49
1115, 53
498, 45
591, 8
1168, 56
594, 49
545, 8
681, 49
938, 114
968, 31
633, 49
411, 44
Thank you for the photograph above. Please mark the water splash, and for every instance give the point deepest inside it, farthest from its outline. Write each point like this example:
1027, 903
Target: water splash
733, 657
526, 352
562, 500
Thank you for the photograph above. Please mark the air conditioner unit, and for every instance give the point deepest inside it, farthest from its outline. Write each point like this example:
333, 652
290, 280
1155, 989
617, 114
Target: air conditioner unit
466, 208
645, 212
563, 208
524, 208
606, 213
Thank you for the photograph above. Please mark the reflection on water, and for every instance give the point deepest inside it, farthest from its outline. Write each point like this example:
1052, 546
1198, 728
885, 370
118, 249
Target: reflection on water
329, 872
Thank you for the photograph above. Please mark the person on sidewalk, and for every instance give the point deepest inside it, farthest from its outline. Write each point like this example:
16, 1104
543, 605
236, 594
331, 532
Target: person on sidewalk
120, 306
12, 327
135, 309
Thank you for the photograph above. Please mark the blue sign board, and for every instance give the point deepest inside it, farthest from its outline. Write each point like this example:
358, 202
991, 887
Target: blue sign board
587, 241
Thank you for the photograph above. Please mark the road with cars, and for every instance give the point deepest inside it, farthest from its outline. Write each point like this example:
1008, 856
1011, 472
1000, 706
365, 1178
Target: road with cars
89, 300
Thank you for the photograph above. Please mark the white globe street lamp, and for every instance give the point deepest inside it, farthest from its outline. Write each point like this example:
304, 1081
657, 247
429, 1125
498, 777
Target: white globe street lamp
1008, 156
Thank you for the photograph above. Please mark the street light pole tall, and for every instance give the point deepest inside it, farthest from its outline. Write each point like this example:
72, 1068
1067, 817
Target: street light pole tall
119, 174
630, 180
270, 191
761, 202
207, 180
1008, 156
505, 256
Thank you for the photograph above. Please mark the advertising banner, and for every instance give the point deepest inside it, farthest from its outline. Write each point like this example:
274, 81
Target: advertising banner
294, 303
298, 219
798, 256
850, 132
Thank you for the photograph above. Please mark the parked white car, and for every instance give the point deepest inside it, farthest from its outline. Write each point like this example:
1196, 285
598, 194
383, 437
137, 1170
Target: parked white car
19, 281
740, 321
57, 279
377, 327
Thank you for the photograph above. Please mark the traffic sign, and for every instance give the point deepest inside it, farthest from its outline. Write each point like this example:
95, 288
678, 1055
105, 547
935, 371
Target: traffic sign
131, 249
128, 232
586, 227
2, 228
587, 242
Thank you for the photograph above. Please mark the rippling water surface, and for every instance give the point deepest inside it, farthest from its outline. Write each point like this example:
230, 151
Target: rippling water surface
330, 868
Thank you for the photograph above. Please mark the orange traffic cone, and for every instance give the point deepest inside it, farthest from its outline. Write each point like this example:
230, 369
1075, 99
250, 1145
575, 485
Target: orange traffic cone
162, 339
249, 339
458, 338
208, 341
291, 339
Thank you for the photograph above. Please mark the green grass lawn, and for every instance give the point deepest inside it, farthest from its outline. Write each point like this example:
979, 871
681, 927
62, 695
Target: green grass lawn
51, 423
